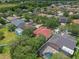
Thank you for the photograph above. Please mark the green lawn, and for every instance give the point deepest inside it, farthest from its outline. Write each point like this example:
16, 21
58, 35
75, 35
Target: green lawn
7, 5
60, 55
10, 37
6, 53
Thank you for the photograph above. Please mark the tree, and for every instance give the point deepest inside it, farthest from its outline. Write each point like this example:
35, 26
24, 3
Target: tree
21, 52
1, 35
75, 16
66, 14
36, 43
2, 21
11, 27
27, 16
1, 49
31, 56
28, 32
52, 23
74, 28
49, 22
27, 49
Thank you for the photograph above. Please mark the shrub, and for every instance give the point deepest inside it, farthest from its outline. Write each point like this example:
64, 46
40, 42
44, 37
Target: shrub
11, 27
1, 35
1, 49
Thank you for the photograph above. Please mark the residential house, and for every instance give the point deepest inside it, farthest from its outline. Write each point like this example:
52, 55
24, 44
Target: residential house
60, 13
18, 23
60, 42
63, 20
43, 31
18, 31
71, 13
45, 15
28, 25
12, 18
21, 25
76, 21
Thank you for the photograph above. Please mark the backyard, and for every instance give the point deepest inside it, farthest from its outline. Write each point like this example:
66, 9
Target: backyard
60, 56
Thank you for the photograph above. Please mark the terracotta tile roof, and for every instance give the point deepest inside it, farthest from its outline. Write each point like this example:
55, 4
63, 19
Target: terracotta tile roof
43, 31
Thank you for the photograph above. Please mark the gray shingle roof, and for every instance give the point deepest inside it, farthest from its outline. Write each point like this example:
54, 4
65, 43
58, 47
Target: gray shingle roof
63, 40
46, 45
59, 40
18, 23
63, 20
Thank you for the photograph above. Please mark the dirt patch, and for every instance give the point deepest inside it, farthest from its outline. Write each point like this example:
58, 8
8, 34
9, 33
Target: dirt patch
5, 56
